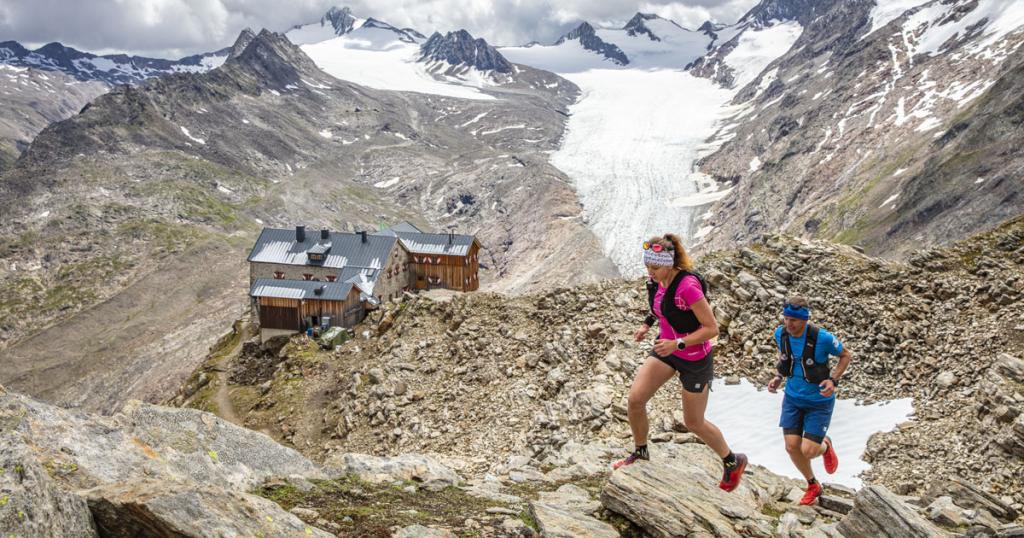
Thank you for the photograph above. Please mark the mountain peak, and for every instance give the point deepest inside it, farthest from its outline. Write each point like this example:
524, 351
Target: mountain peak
243, 40
637, 25
275, 60
459, 47
407, 35
341, 20
588, 38
802, 11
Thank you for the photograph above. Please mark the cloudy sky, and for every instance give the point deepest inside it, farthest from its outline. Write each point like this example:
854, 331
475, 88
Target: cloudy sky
175, 28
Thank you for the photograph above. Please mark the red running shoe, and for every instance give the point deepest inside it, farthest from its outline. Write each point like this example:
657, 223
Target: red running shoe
829, 458
812, 494
629, 460
731, 477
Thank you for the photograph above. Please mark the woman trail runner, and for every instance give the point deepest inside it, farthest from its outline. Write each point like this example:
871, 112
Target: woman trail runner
678, 302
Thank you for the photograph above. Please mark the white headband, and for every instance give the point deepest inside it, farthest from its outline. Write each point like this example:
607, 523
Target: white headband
661, 259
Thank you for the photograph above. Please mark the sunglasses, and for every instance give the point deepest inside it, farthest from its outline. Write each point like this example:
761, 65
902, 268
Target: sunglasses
793, 307
656, 247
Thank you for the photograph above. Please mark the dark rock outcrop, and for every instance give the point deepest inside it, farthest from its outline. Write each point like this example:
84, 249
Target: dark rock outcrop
459, 48
588, 38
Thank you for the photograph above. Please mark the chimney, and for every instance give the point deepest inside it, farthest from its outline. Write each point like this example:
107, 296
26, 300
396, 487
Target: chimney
325, 234
451, 237
319, 290
300, 234
362, 236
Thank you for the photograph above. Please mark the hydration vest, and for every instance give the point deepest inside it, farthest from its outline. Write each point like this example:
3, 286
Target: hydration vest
682, 321
814, 372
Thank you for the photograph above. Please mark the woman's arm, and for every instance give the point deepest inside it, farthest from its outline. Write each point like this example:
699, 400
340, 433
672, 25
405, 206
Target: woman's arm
708, 324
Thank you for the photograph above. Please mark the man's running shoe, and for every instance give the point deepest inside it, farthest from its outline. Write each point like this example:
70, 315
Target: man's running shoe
829, 458
812, 494
629, 460
731, 476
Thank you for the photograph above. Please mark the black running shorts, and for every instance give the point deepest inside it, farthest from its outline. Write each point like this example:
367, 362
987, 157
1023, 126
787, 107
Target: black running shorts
694, 375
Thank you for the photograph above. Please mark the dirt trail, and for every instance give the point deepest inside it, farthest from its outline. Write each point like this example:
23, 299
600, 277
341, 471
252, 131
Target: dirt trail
222, 398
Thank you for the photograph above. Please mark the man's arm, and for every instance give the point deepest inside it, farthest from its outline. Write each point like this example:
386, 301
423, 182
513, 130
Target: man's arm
844, 361
827, 386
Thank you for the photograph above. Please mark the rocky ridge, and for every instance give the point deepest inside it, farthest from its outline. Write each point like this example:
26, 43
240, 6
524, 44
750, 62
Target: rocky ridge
163, 471
460, 49
555, 367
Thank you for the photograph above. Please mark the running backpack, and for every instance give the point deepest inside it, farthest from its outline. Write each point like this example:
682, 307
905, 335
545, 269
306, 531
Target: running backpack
682, 321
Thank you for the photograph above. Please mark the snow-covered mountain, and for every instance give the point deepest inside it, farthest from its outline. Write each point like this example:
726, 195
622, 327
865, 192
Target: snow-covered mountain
110, 69
376, 54
339, 21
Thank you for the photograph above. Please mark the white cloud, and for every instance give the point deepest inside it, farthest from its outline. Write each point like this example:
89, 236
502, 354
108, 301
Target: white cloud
175, 28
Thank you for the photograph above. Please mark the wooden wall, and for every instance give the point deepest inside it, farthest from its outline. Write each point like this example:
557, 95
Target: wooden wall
292, 313
450, 272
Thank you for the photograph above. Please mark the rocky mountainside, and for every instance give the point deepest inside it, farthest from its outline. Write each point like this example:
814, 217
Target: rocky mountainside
140, 209
158, 471
31, 99
765, 15
460, 49
943, 329
881, 128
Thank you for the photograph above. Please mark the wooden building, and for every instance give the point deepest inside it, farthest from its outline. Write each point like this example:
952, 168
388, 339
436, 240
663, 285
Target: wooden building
296, 280
449, 261
288, 306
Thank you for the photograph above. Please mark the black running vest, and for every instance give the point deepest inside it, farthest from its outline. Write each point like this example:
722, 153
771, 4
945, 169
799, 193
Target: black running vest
682, 321
814, 371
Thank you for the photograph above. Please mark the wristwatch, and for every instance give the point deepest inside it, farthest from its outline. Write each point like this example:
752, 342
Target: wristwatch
680, 343
835, 382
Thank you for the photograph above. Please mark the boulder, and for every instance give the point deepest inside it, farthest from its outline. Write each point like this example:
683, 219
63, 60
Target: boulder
31, 503
150, 441
678, 495
878, 513
419, 531
967, 495
567, 512
160, 508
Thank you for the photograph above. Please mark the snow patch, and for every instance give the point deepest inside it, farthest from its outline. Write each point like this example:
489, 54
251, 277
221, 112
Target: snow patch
189, 135
388, 183
852, 425
326, 133
757, 48
889, 199
755, 164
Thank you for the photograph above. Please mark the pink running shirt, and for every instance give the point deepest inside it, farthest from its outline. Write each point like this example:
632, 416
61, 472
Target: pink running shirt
687, 293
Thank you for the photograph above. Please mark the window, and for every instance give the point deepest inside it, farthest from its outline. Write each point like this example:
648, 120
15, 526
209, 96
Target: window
279, 275
332, 278
307, 276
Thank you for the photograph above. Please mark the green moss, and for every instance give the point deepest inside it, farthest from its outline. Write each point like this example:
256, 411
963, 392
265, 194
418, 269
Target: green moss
527, 518
373, 509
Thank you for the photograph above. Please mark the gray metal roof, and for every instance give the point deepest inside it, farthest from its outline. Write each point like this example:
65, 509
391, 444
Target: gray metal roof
423, 243
300, 289
406, 226
277, 245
